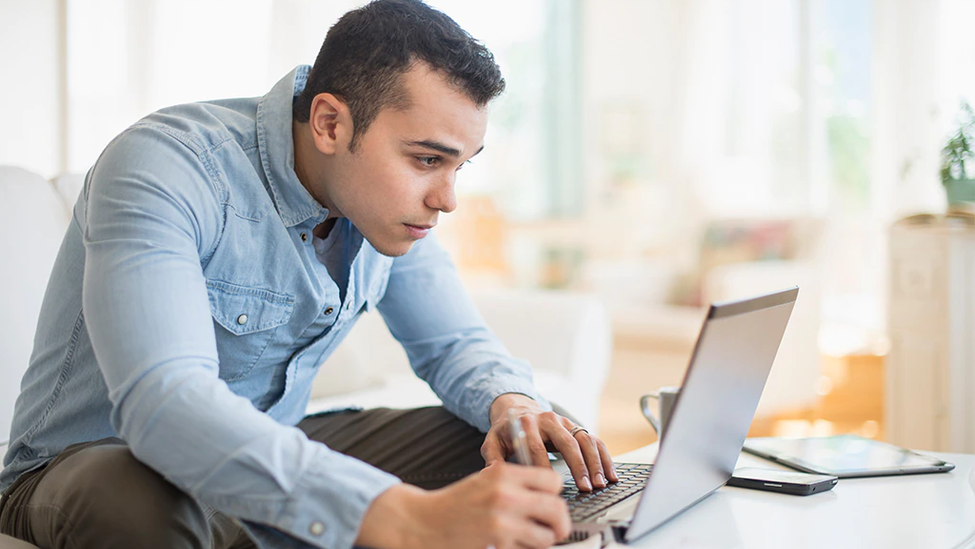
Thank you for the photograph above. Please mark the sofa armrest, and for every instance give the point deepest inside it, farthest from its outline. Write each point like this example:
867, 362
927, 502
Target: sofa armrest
27, 202
559, 332
566, 337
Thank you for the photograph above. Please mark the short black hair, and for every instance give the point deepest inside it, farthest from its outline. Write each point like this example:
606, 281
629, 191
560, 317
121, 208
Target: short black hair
366, 52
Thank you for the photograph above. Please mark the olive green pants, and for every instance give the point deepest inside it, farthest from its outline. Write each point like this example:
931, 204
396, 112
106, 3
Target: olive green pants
98, 495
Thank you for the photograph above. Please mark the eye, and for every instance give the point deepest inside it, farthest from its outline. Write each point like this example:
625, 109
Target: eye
429, 161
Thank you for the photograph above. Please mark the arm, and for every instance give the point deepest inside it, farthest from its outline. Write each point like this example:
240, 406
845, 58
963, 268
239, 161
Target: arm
153, 211
429, 311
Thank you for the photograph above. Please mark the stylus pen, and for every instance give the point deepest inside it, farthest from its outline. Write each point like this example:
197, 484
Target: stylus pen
518, 439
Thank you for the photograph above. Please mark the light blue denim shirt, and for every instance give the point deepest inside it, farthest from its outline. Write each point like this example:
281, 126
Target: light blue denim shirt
187, 313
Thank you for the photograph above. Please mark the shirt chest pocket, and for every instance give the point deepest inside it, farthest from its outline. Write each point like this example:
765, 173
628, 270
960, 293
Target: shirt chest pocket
245, 321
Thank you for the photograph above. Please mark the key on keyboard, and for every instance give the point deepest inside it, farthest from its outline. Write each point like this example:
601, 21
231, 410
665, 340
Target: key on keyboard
583, 505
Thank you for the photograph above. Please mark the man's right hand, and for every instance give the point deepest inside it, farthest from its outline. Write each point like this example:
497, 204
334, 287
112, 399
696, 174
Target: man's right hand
505, 506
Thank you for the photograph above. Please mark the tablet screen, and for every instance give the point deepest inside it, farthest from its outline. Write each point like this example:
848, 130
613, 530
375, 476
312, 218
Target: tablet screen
841, 455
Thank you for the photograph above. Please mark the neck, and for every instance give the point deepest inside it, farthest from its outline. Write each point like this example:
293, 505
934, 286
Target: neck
305, 155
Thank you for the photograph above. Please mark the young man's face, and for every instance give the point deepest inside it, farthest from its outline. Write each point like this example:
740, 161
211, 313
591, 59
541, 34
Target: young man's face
402, 174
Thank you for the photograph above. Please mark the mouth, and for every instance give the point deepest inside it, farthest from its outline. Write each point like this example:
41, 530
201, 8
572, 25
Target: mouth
417, 231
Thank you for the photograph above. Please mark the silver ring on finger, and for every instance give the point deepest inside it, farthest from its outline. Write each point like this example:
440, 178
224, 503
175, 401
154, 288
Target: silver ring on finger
577, 429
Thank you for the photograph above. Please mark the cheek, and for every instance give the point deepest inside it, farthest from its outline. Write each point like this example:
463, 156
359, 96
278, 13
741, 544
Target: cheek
400, 184
384, 189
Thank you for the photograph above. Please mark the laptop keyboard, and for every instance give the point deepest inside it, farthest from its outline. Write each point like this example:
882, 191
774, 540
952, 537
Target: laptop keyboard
585, 505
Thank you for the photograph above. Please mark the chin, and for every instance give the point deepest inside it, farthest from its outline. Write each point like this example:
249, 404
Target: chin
391, 249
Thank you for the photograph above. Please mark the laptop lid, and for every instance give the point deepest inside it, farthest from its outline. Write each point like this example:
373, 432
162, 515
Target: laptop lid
715, 407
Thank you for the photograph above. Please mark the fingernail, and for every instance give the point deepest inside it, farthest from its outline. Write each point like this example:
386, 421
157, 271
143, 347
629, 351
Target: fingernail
600, 480
586, 485
612, 473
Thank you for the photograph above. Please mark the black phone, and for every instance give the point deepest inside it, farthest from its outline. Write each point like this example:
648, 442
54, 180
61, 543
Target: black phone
785, 482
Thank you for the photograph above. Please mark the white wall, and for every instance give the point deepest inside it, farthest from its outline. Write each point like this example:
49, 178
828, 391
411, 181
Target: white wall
29, 112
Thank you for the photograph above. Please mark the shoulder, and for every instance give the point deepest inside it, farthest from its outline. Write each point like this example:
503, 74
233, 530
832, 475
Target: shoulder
209, 125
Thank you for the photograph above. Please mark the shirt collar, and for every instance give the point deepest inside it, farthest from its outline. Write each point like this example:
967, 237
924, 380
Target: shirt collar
274, 138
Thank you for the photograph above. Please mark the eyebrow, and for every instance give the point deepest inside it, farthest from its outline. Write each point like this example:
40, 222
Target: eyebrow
437, 146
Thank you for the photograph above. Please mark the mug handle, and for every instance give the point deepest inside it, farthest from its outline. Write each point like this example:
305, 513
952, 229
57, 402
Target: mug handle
647, 413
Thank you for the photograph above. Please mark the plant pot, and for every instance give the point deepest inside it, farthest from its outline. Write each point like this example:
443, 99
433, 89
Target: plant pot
960, 190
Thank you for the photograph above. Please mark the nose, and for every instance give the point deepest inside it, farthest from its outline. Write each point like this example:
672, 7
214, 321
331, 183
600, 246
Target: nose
441, 196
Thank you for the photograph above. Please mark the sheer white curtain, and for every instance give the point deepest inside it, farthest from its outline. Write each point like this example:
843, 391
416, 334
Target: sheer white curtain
130, 57
704, 109
31, 107
830, 109
909, 95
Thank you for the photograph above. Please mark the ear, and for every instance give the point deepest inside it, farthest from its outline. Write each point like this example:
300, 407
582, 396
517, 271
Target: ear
331, 123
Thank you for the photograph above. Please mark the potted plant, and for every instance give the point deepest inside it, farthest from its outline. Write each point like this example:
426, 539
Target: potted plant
958, 160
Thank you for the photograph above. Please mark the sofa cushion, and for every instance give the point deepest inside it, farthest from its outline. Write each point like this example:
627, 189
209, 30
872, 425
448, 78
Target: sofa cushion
33, 219
7, 542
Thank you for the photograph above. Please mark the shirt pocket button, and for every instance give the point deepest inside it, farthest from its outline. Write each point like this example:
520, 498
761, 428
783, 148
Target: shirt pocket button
242, 319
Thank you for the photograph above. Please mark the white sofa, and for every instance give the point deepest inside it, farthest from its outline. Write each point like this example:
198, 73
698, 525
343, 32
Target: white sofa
565, 336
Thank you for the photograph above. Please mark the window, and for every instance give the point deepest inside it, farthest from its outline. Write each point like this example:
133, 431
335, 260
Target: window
128, 58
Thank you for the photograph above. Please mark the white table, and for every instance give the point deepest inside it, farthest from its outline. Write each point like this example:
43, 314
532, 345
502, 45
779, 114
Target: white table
933, 511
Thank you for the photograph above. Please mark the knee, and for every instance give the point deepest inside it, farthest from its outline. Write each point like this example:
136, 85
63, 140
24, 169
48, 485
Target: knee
107, 498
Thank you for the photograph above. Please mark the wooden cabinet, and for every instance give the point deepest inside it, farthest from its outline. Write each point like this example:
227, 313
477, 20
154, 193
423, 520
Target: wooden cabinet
931, 324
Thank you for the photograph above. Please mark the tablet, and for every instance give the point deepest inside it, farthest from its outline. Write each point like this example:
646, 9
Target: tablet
845, 456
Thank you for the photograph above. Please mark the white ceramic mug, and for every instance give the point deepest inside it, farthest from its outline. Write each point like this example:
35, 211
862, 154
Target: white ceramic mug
665, 398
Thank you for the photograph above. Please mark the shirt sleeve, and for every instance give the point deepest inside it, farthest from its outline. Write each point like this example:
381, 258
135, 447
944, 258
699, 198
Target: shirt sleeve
427, 308
154, 210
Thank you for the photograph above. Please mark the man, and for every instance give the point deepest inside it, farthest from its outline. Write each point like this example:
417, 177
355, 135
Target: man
217, 255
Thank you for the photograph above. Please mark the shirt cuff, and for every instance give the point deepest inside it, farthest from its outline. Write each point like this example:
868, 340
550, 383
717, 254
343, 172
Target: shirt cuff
478, 412
328, 511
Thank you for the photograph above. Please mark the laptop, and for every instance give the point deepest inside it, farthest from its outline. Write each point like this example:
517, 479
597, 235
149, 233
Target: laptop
708, 424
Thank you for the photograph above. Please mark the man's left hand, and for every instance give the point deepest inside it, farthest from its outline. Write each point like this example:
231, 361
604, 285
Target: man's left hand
587, 456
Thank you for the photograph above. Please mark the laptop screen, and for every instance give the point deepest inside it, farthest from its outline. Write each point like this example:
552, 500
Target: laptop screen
715, 407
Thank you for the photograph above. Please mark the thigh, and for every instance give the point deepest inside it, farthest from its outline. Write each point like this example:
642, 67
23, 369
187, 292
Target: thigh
98, 495
428, 447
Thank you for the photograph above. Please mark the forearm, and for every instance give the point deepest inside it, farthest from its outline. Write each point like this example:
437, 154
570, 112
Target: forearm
470, 373
244, 463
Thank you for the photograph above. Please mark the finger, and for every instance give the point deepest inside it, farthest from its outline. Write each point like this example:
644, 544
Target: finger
520, 532
492, 450
590, 452
536, 445
607, 460
532, 535
549, 511
568, 446
534, 478
531, 519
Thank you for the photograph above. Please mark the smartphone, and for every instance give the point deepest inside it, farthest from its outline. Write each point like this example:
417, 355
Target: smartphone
785, 482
